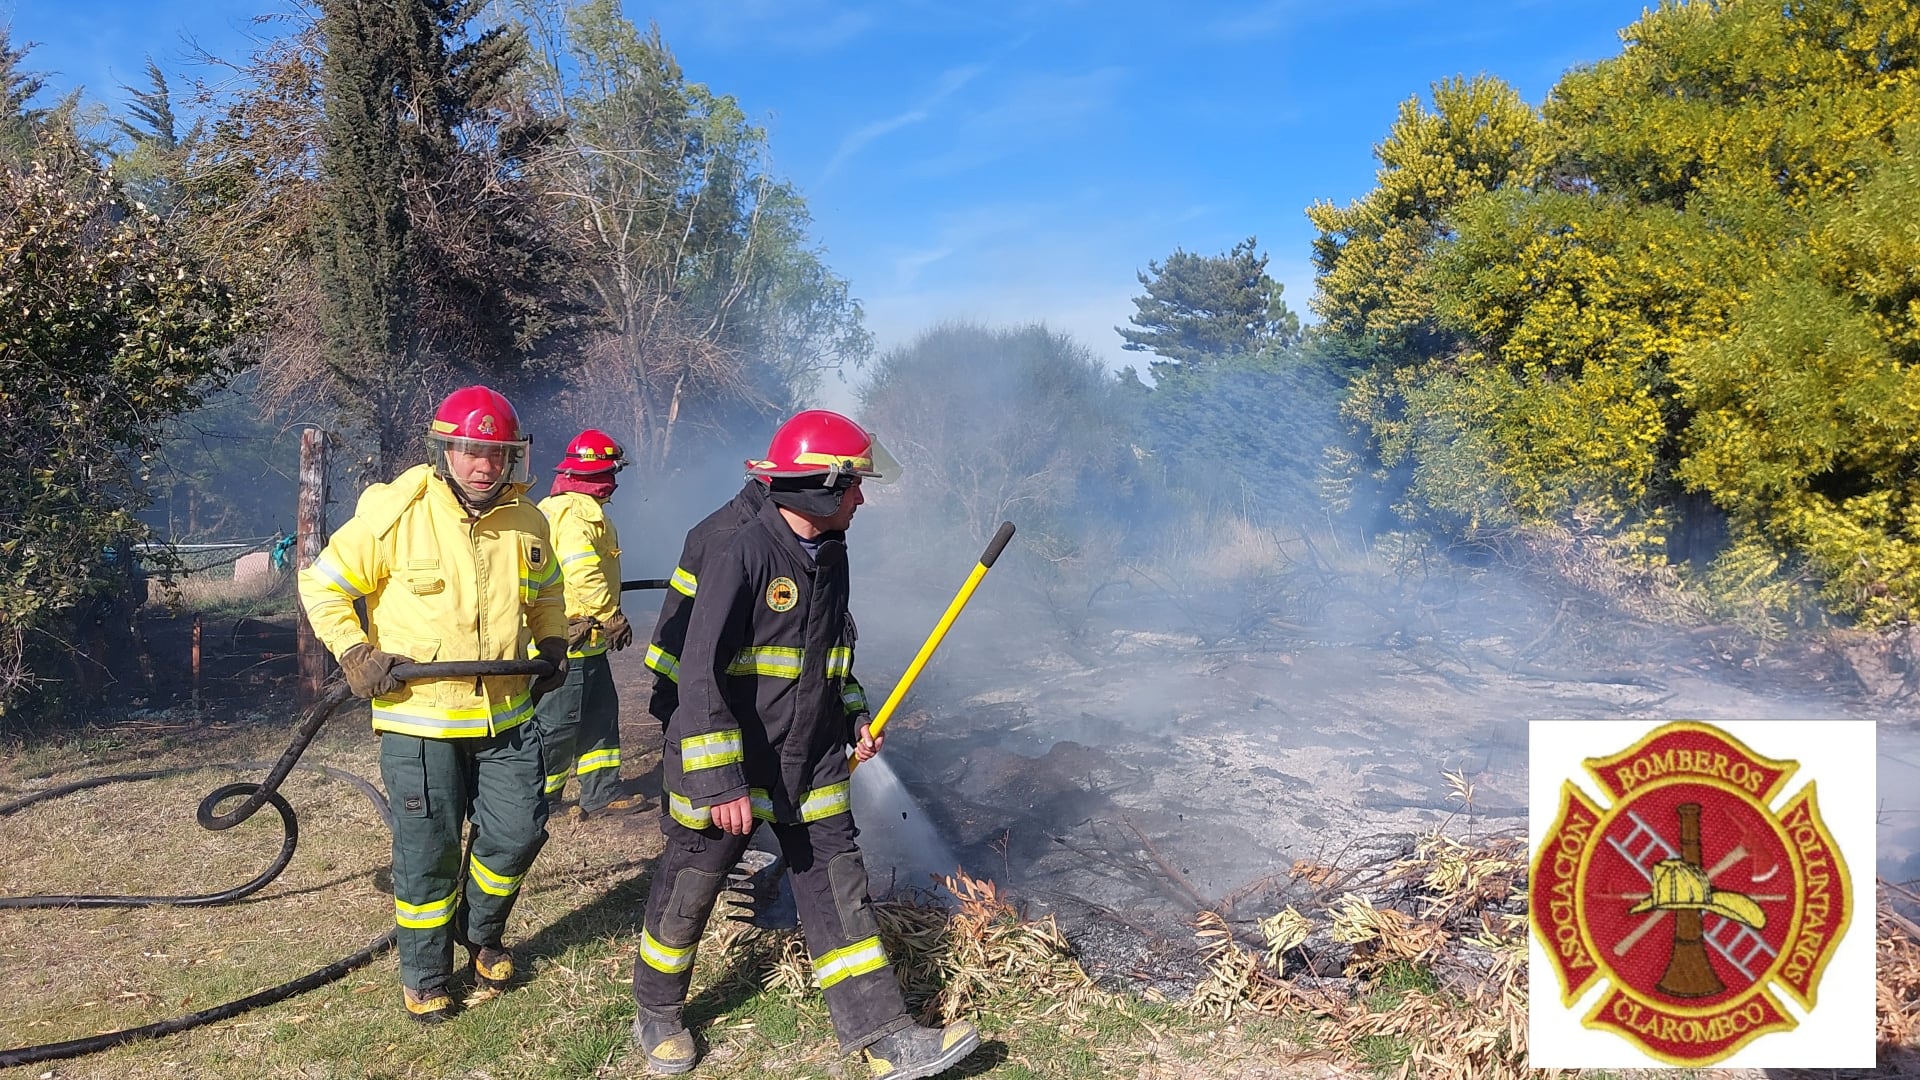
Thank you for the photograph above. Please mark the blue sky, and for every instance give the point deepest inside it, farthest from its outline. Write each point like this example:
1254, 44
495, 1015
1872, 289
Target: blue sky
1022, 160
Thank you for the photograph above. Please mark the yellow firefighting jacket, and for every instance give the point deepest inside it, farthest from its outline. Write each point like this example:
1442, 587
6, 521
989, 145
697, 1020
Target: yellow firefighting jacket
440, 586
588, 547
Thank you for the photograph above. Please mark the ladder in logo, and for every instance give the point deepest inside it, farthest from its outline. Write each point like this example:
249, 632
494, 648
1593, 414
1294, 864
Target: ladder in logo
1743, 936
1643, 841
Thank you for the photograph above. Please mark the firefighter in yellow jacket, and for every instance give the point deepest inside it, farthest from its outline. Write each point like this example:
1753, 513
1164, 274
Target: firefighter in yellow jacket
452, 564
580, 721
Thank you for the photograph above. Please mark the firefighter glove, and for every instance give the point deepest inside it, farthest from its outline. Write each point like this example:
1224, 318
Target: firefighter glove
554, 651
578, 631
369, 671
619, 631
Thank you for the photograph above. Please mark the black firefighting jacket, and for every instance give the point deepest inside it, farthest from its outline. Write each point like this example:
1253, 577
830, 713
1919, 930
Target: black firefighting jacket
704, 541
768, 653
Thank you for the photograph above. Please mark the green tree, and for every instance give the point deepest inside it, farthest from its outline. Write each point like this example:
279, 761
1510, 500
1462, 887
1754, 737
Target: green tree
1370, 255
152, 165
20, 119
1702, 293
696, 266
1250, 429
1805, 415
112, 328
1200, 308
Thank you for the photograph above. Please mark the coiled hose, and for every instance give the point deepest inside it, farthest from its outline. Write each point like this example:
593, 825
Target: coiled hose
257, 795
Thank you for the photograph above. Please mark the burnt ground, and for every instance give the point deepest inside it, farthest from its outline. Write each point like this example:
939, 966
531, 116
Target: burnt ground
1146, 766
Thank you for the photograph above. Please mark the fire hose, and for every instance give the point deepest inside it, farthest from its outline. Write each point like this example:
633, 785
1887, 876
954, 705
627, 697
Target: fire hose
257, 795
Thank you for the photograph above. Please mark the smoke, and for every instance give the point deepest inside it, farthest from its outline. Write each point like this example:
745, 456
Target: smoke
1190, 670
1168, 689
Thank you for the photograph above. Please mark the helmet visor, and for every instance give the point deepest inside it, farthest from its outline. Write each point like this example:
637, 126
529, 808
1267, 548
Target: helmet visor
480, 463
883, 469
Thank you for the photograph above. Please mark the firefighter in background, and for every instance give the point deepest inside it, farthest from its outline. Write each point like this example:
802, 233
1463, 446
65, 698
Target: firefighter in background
453, 564
710, 537
761, 733
580, 722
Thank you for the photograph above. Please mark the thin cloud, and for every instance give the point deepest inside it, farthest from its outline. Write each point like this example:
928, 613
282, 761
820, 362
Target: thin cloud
1034, 110
949, 83
791, 26
907, 267
851, 144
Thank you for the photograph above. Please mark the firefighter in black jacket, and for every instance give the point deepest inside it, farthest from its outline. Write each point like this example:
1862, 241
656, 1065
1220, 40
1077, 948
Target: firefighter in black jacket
703, 542
760, 733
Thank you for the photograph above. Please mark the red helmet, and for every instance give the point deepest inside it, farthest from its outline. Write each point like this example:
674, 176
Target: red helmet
592, 451
826, 445
477, 420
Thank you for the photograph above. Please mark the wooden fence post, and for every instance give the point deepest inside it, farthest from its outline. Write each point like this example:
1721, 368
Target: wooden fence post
311, 526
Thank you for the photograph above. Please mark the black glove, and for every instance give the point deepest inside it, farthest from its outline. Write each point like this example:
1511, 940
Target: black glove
619, 632
578, 631
369, 671
554, 651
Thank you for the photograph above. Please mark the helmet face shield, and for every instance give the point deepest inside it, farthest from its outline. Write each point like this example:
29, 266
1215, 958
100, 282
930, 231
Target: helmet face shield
480, 463
873, 464
883, 469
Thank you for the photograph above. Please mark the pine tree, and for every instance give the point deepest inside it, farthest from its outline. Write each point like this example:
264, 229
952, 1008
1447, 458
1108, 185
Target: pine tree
1201, 308
432, 255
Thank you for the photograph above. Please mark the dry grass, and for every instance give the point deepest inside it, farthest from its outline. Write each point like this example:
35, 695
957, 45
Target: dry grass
1439, 951
951, 964
1899, 969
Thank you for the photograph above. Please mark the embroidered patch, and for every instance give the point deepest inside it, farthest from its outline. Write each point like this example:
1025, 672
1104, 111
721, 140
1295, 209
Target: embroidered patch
782, 594
1689, 894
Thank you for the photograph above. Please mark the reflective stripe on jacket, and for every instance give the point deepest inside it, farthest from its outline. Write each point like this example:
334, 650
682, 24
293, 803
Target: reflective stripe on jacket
761, 708
439, 586
588, 547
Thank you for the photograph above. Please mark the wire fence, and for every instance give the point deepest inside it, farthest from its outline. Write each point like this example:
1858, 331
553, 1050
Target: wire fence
213, 560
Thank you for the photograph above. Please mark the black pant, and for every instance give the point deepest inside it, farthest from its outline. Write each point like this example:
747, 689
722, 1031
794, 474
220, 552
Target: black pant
829, 888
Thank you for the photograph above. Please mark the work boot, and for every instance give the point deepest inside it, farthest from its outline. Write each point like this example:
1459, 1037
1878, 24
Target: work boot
625, 802
492, 967
427, 1006
915, 1052
667, 1042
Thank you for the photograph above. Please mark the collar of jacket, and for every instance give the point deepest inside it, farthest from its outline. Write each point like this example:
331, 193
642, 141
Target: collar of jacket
444, 497
789, 541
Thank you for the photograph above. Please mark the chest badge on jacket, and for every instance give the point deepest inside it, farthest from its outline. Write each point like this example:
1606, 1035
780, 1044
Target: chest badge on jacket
782, 594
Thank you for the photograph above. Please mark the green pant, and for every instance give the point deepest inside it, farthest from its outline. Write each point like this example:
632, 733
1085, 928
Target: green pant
583, 718
436, 786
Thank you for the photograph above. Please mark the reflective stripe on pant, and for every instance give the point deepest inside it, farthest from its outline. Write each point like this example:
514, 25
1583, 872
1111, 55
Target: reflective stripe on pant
435, 786
580, 731
829, 888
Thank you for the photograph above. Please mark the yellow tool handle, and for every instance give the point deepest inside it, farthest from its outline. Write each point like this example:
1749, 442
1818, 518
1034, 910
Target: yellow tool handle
994, 547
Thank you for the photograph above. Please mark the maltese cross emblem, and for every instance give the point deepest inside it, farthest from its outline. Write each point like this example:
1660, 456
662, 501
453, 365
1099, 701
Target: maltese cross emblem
1689, 894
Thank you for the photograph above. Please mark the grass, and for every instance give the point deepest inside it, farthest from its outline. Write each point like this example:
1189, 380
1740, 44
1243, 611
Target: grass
73, 973
215, 594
